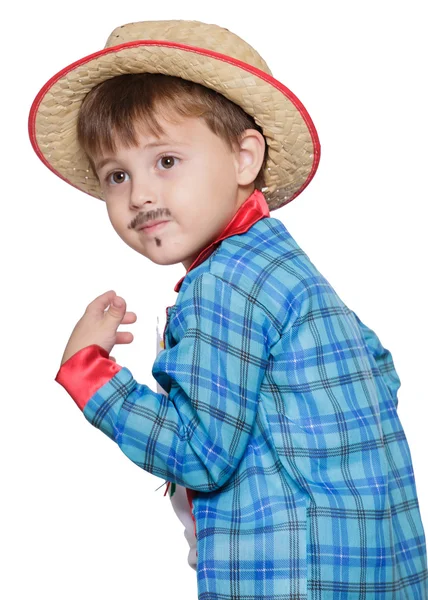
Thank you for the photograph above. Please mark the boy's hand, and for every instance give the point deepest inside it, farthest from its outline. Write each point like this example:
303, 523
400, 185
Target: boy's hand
99, 327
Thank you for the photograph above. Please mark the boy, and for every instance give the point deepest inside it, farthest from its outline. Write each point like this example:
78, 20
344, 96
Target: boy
279, 413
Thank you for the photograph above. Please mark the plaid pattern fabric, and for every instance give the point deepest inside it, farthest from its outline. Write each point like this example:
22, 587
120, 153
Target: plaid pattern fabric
281, 415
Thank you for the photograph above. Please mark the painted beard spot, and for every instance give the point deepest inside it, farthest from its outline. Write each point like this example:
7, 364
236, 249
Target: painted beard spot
158, 242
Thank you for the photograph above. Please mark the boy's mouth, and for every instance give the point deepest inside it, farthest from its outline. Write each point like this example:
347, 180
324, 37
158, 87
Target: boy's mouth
152, 226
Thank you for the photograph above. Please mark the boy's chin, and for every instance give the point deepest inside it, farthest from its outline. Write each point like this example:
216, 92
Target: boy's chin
163, 260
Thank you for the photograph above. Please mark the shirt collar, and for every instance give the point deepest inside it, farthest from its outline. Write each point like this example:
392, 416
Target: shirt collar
252, 210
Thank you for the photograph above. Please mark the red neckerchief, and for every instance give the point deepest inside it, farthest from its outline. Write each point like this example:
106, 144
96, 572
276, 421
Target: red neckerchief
252, 210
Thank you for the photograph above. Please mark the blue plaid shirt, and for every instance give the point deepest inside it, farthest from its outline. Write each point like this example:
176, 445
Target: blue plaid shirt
281, 416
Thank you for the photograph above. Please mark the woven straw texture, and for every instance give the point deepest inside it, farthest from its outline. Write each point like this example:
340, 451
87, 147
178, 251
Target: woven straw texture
293, 147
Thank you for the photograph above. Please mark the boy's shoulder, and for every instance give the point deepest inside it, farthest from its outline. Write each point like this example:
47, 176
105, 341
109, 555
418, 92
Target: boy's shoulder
267, 265
266, 255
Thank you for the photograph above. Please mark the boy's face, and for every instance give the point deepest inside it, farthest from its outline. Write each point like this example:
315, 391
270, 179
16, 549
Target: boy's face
187, 181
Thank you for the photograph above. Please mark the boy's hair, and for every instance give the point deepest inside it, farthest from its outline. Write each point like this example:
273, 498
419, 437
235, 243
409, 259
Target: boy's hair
111, 110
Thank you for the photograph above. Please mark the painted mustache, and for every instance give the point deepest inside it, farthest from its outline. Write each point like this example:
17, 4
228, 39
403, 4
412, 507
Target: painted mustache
150, 215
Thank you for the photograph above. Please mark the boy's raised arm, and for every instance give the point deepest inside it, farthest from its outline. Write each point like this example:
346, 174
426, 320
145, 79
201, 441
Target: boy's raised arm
212, 369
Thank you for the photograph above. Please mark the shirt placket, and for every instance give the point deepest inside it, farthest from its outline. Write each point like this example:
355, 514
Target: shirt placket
160, 346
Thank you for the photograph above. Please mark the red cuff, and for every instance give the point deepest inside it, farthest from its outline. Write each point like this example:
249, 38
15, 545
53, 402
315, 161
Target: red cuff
86, 372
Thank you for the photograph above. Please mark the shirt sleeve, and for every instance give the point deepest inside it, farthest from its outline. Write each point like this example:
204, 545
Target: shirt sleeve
212, 369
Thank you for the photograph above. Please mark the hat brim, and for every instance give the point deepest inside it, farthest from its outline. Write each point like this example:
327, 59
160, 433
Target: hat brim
293, 144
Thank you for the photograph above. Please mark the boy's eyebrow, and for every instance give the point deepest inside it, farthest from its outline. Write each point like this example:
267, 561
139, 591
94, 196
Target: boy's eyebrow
163, 142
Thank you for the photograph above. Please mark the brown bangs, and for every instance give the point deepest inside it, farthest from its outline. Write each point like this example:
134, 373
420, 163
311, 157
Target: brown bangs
112, 110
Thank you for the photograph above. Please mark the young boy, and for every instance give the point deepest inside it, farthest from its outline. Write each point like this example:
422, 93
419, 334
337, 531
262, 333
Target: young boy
278, 409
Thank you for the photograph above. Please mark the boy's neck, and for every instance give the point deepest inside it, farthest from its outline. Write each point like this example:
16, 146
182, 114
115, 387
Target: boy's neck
252, 210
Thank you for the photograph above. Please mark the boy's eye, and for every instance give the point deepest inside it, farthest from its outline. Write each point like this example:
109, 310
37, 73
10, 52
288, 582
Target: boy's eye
167, 161
117, 177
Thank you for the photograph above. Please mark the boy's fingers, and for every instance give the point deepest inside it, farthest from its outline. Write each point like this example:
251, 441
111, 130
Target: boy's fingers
117, 309
129, 317
109, 305
124, 337
101, 302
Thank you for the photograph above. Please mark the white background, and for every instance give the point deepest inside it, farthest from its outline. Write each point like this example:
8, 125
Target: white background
79, 520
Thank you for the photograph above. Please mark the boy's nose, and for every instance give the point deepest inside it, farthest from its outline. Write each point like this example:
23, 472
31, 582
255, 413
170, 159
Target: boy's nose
141, 195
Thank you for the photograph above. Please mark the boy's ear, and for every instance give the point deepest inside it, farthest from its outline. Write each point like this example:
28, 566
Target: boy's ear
249, 156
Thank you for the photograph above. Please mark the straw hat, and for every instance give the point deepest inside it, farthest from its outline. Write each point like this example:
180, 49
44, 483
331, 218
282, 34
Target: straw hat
206, 54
